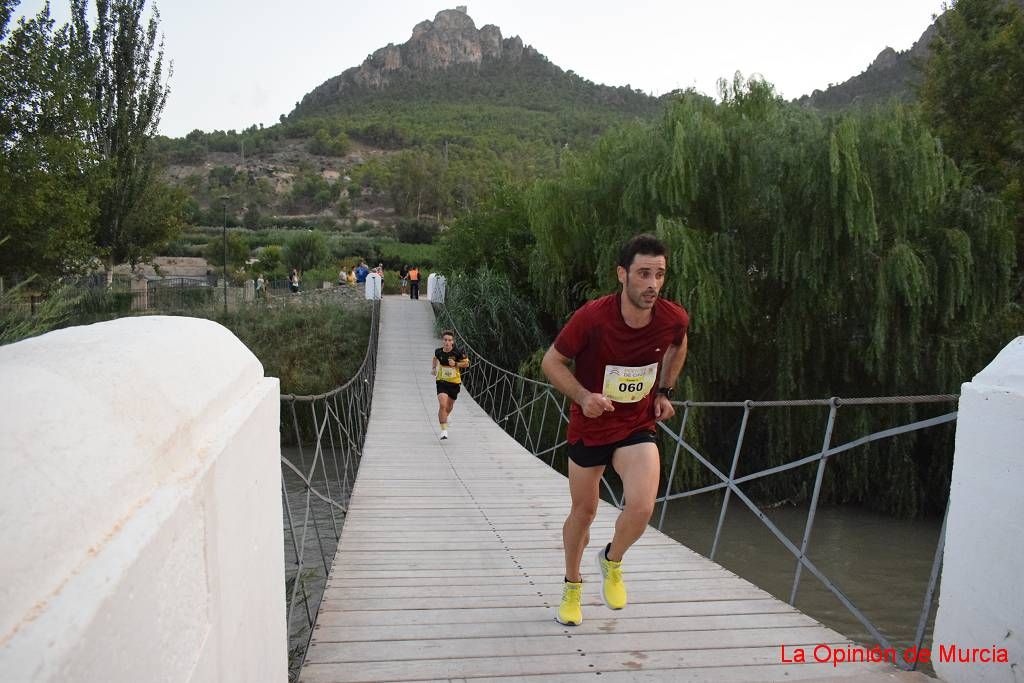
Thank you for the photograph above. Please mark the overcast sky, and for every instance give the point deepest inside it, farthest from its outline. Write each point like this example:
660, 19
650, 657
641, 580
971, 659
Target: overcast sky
240, 62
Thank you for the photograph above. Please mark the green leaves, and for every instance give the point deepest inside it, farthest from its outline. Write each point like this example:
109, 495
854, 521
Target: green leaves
817, 256
128, 98
78, 107
47, 190
972, 94
306, 250
237, 251
497, 321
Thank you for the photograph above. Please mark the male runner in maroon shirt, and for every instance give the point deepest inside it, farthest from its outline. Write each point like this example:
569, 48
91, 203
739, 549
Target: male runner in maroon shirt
629, 349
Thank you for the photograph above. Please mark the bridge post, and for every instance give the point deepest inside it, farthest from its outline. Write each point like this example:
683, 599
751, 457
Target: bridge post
139, 292
140, 499
436, 284
981, 603
374, 286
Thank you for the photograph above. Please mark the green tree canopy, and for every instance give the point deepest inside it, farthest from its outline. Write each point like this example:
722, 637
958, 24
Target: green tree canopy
78, 107
47, 190
417, 183
972, 97
306, 250
413, 231
129, 94
237, 248
818, 256
496, 233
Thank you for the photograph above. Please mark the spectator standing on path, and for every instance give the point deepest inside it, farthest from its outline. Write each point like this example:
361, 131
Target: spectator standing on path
414, 283
445, 366
361, 272
624, 345
293, 281
261, 288
403, 278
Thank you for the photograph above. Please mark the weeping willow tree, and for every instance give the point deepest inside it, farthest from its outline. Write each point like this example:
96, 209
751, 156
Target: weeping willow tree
817, 256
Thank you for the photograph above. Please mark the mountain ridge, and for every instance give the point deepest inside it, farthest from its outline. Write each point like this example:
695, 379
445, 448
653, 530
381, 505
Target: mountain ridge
891, 74
451, 45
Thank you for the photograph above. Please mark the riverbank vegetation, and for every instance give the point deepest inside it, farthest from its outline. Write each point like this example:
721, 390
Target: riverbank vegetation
841, 255
311, 348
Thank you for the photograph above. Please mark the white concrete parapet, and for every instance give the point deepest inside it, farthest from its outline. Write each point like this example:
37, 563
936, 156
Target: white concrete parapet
140, 507
374, 286
981, 603
436, 286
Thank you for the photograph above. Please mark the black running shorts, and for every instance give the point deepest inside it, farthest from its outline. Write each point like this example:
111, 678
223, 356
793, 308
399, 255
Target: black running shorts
592, 456
448, 388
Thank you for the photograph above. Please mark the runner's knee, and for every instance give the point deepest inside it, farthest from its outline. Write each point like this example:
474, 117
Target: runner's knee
584, 511
640, 509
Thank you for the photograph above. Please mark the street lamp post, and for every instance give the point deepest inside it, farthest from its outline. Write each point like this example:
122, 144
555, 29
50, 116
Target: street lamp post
225, 199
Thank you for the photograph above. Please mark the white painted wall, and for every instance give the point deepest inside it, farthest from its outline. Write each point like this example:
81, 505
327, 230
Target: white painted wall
436, 285
374, 286
140, 507
981, 604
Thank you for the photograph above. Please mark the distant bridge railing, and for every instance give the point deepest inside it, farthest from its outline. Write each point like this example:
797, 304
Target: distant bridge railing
322, 439
523, 406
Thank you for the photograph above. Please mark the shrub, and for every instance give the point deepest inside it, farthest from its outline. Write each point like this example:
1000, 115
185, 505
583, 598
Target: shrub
306, 250
395, 254
237, 248
416, 231
326, 343
342, 246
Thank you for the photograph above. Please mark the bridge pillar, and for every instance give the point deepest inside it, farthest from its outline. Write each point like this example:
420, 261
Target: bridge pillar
140, 501
374, 286
436, 285
140, 292
981, 603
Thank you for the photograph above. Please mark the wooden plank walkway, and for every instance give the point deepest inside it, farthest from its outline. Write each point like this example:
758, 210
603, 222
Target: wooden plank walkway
450, 565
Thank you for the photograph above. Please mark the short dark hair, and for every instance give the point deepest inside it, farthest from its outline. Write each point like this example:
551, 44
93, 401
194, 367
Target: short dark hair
447, 333
646, 244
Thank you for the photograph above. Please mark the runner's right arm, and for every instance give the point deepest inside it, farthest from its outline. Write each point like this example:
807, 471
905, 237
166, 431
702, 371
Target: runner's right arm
556, 368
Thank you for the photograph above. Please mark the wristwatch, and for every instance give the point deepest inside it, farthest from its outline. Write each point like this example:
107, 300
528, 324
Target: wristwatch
667, 391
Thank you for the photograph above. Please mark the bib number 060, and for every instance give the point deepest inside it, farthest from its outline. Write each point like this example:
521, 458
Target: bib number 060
631, 386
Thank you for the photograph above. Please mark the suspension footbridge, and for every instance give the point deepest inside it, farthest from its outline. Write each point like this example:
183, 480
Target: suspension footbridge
145, 537
449, 564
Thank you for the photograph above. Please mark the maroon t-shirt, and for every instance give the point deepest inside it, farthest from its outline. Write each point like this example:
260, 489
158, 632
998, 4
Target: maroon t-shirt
597, 337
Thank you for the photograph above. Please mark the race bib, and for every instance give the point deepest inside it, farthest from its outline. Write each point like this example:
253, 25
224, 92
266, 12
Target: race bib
446, 373
629, 385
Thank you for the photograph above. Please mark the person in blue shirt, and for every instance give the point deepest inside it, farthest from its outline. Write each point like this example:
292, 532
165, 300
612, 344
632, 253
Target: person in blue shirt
361, 272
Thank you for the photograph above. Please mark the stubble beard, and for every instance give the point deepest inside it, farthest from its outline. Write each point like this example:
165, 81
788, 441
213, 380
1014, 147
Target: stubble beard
637, 298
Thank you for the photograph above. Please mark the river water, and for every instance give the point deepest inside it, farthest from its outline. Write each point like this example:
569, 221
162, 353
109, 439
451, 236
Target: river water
881, 564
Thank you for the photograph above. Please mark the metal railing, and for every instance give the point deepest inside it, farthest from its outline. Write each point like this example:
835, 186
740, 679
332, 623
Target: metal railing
521, 406
322, 440
89, 297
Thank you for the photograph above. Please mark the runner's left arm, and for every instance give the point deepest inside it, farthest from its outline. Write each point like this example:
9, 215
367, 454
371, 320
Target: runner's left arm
671, 366
672, 363
464, 361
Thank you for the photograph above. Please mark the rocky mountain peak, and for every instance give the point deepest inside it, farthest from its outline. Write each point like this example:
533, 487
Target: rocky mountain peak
885, 59
451, 39
449, 57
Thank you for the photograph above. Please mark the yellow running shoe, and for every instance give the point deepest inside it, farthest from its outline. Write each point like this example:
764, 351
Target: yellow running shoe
570, 613
613, 589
